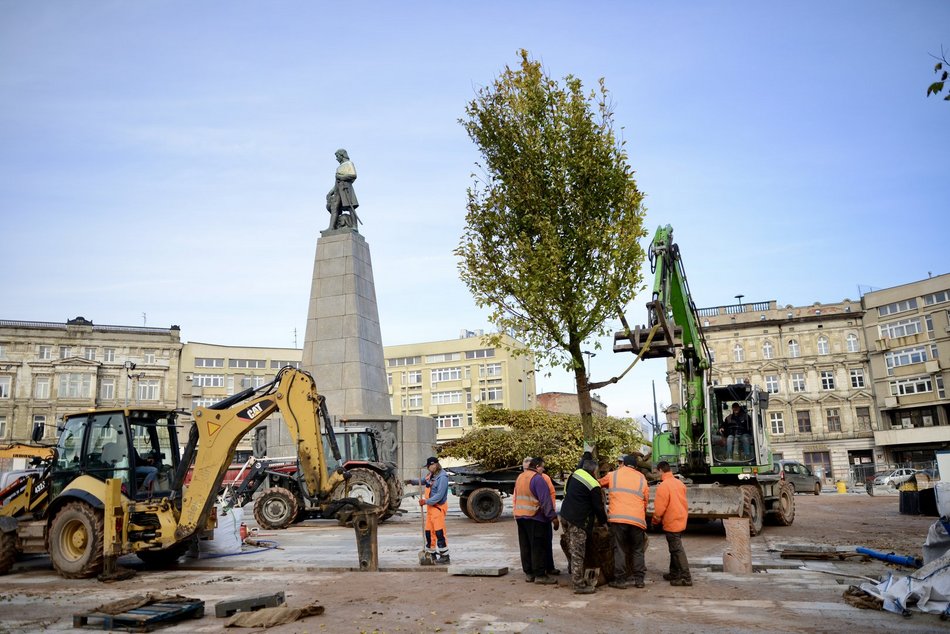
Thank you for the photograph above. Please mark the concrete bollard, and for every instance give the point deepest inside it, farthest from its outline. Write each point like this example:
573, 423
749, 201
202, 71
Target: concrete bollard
737, 558
365, 523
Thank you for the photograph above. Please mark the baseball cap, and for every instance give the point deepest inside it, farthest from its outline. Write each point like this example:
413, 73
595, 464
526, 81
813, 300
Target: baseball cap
431, 460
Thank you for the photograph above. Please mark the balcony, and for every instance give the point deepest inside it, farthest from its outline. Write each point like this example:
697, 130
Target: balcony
913, 435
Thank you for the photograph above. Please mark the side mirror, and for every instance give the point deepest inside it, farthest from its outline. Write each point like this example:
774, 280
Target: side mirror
763, 400
38, 430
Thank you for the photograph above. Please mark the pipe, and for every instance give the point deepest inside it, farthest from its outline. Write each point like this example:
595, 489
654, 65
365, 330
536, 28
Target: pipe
901, 560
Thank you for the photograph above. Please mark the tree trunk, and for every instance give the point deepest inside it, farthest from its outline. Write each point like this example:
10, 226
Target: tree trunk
583, 399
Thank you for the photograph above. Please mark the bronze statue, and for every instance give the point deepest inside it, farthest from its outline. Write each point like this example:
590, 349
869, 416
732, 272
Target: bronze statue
341, 199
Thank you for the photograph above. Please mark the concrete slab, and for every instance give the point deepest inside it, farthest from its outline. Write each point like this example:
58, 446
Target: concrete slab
479, 571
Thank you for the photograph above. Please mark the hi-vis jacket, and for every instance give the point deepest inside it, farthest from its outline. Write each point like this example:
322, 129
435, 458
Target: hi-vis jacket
670, 507
628, 495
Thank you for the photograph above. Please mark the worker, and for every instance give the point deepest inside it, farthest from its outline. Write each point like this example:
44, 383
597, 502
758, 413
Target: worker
434, 501
627, 497
582, 504
534, 514
670, 511
551, 526
737, 425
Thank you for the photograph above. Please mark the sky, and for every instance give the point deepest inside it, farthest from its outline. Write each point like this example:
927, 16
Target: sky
166, 162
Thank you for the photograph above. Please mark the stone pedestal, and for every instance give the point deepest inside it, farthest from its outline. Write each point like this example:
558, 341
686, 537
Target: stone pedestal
343, 348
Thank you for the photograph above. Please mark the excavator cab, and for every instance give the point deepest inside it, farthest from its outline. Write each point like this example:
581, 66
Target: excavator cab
736, 429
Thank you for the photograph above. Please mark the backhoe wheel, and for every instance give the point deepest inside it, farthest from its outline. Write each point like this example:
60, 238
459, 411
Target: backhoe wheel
463, 505
784, 513
75, 541
367, 486
163, 559
395, 497
753, 507
7, 551
485, 505
275, 508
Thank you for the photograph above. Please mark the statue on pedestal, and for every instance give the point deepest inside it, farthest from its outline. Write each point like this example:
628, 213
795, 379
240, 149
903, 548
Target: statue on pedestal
341, 199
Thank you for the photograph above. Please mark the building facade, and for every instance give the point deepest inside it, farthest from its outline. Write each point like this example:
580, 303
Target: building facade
907, 334
49, 369
813, 362
566, 403
447, 379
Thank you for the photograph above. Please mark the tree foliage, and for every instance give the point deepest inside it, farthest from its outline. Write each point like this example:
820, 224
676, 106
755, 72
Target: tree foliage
502, 438
937, 87
553, 223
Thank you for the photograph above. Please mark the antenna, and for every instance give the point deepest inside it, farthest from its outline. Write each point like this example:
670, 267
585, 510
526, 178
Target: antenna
144, 319
295, 337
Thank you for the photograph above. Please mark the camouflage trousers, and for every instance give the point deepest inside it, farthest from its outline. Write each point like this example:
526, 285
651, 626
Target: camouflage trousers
576, 538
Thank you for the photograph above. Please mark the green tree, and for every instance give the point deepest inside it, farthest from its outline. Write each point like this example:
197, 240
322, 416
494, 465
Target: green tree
938, 86
502, 438
553, 223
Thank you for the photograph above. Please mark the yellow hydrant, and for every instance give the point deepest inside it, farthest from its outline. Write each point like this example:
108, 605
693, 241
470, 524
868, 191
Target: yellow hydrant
842, 486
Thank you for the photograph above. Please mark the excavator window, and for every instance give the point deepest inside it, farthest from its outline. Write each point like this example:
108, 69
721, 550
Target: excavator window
108, 448
154, 467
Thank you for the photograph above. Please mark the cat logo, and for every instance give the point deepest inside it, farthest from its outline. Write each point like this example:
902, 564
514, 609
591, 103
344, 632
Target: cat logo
255, 410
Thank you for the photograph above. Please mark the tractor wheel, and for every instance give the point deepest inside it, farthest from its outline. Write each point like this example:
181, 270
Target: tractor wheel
163, 559
463, 505
753, 507
75, 541
7, 551
394, 484
784, 513
367, 486
485, 505
276, 508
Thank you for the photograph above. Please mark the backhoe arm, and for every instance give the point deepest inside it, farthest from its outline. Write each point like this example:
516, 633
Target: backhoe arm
219, 428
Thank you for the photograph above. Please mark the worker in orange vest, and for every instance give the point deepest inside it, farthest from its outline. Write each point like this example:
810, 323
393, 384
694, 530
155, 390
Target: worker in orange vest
434, 502
627, 497
549, 551
534, 514
670, 511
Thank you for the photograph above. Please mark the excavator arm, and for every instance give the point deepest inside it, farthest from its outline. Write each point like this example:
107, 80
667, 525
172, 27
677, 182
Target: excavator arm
218, 429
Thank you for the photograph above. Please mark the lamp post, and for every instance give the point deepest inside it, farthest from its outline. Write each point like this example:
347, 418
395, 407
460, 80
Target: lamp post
590, 355
739, 297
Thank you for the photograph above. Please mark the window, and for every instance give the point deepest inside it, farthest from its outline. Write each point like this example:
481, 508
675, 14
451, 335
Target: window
480, 354
857, 378
819, 462
798, 382
904, 356
862, 416
491, 369
45, 353
41, 391
149, 356
712, 355
204, 401
777, 420
449, 420
108, 355
827, 380
768, 350
148, 389
738, 353
937, 298
918, 385
446, 374
207, 380
414, 401
107, 390
941, 392
258, 364
902, 328
492, 393
64, 352
274, 365
3, 426
771, 384
897, 307
3, 353
5, 383
929, 320
793, 348
833, 417
75, 385
441, 358
39, 420
823, 347
446, 398
804, 422
204, 362
253, 381
852, 343
413, 377
89, 354
405, 361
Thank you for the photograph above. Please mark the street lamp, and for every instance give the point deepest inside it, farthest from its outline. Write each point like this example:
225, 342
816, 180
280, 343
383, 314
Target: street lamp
739, 297
590, 355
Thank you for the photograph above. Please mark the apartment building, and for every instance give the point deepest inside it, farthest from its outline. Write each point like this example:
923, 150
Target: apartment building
907, 334
813, 362
447, 379
48, 369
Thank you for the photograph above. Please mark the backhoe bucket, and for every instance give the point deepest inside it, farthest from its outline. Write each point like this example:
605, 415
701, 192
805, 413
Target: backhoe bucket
712, 501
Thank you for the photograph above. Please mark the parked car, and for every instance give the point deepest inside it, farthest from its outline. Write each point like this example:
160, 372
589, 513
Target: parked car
798, 475
894, 478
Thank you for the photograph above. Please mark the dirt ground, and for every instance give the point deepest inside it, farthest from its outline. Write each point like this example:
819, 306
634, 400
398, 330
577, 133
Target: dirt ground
777, 598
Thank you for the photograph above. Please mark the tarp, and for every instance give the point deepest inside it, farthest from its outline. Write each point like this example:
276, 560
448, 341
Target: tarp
928, 589
269, 617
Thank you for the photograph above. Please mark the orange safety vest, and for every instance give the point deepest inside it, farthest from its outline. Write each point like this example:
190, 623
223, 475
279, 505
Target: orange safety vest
671, 506
628, 495
547, 481
524, 503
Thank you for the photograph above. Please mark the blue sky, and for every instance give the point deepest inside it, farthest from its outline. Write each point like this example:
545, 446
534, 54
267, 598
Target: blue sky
172, 158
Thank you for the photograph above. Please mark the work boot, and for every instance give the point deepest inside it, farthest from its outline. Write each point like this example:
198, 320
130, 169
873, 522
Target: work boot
668, 576
545, 580
529, 578
443, 559
621, 584
638, 583
584, 589
554, 571
681, 582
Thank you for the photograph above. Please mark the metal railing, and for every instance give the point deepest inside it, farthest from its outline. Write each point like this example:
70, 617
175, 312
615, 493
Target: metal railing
734, 309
